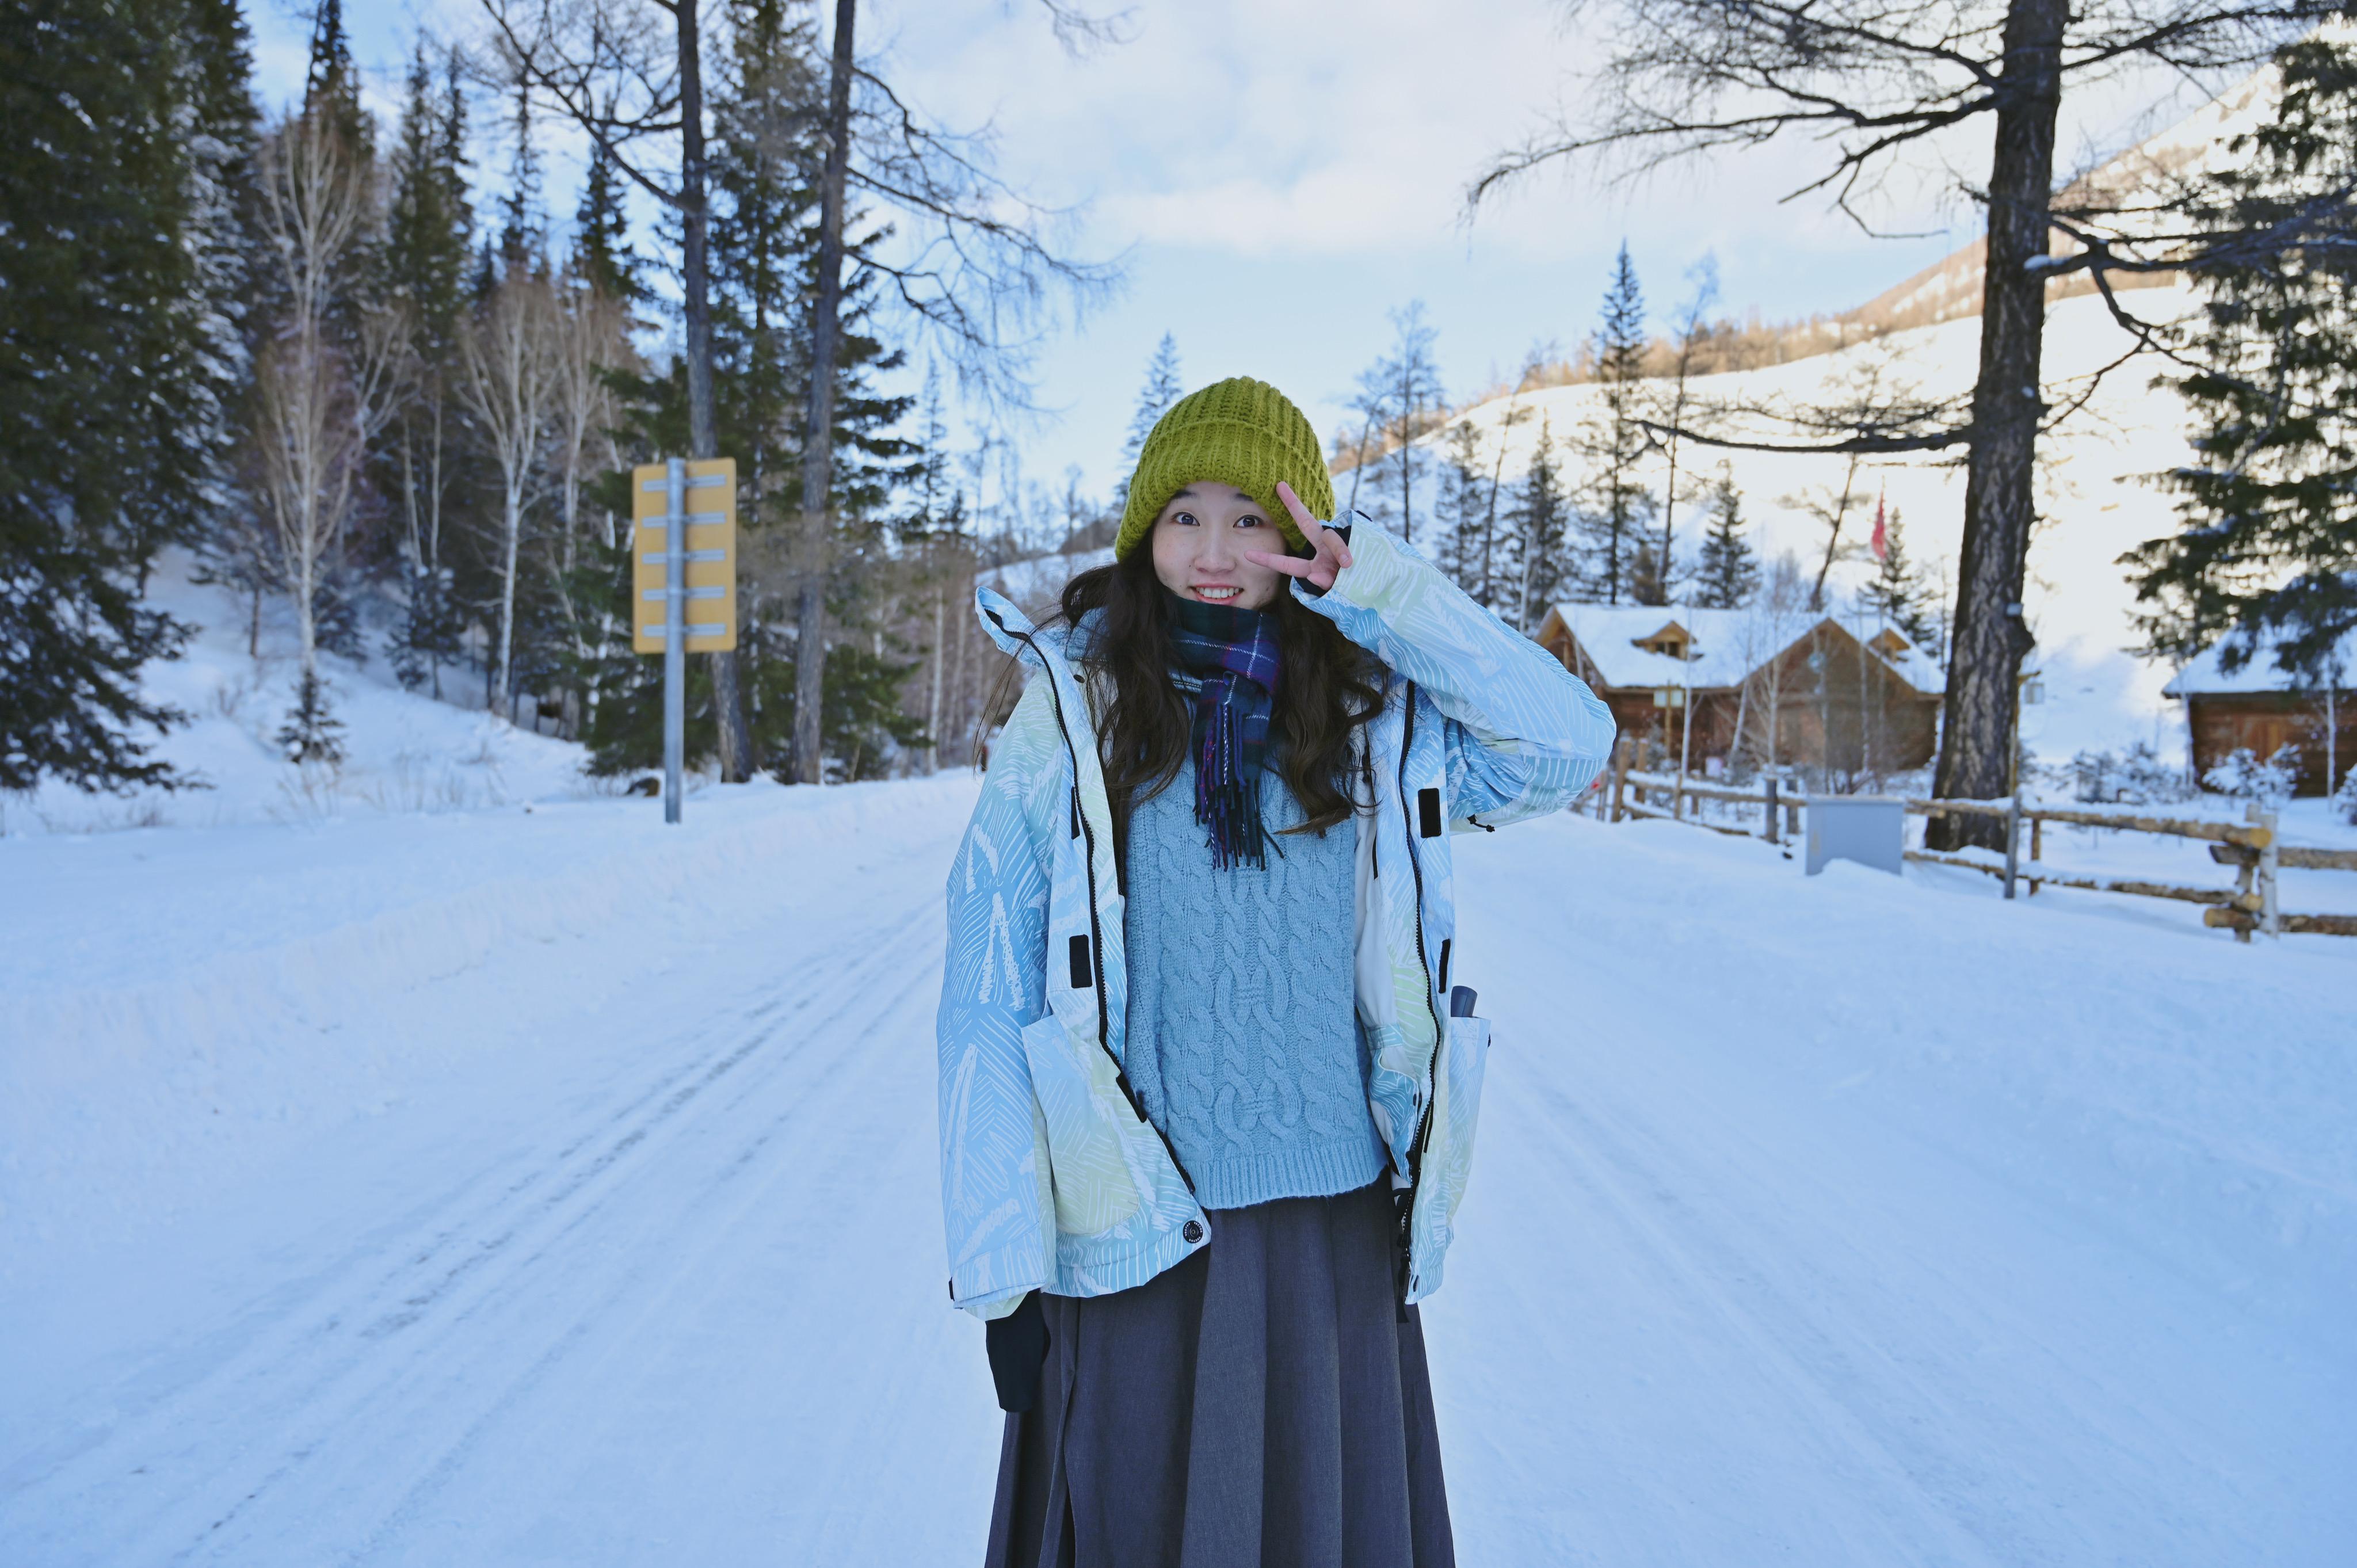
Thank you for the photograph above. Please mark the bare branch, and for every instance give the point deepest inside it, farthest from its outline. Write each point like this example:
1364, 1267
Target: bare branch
1083, 33
1868, 444
567, 50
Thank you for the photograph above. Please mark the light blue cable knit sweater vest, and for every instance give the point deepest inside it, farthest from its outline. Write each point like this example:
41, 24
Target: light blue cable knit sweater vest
1242, 1035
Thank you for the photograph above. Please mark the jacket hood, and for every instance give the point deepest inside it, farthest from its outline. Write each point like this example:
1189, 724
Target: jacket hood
1018, 635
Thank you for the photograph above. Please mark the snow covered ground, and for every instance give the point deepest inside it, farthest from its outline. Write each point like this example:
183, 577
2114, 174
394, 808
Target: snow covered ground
507, 1187
402, 754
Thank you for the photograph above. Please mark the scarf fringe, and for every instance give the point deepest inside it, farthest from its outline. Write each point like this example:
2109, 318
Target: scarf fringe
1230, 657
1227, 790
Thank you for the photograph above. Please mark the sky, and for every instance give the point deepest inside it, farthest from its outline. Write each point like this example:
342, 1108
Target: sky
1277, 178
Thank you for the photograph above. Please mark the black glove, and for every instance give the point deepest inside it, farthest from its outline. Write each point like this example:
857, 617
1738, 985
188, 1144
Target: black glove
1018, 1347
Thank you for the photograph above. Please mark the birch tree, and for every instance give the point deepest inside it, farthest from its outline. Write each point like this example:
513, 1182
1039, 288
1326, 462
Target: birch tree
321, 392
511, 387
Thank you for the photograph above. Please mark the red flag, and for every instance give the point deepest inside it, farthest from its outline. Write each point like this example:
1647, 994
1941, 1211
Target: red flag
1882, 534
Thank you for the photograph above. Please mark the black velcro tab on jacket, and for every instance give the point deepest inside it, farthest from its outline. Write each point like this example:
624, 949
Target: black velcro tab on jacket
1427, 812
1082, 975
1443, 964
1076, 811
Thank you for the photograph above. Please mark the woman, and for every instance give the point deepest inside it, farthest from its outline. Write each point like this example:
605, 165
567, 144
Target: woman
1205, 1110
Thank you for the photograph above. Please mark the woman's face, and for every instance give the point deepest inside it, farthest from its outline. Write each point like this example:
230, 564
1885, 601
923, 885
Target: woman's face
1200, 540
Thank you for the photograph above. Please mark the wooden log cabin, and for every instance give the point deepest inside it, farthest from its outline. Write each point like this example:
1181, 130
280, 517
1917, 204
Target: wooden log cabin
2261, 708
1807, 692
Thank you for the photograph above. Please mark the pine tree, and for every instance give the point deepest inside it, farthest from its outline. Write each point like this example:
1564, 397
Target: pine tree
429, 236
762, 163
1895, 592
1613, 446
109, 348
602, 255
331, 85
1540, 518
218, 125
2270, 493
1162, 389
1403, 392
311, 732
1726, 573
1463, 513
523, 223
1648, 584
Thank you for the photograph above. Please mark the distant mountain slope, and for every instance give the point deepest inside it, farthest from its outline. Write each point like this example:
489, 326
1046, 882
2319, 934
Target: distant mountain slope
2097, 494
1950, 289
2099, 491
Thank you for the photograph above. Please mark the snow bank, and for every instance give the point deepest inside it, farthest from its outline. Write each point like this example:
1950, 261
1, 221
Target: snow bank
405, 751
2170, 1085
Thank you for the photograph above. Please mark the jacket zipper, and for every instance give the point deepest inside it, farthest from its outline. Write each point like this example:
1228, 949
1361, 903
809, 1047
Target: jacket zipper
1439, 1032
1097, 932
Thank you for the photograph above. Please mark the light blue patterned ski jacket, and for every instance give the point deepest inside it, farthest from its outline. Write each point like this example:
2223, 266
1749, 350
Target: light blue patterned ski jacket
1051, 1177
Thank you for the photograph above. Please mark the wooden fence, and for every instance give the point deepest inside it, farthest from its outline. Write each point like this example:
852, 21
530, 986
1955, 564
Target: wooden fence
1679, 800
2250, 847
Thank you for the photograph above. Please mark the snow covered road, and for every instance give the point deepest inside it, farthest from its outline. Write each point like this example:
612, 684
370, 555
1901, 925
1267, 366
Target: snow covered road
1834, 1221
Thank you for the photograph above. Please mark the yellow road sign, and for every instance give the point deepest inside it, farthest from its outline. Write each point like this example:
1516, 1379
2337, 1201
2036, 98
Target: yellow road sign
710, 607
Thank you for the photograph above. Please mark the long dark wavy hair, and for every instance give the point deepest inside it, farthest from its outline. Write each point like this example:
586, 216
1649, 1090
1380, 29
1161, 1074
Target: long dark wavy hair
1327, 686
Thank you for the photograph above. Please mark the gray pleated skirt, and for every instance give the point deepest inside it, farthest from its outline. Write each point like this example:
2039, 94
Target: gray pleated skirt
1260, 1403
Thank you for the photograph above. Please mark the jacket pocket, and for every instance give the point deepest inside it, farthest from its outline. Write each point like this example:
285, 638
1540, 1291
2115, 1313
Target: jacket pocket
1078, 1093
1463, 1061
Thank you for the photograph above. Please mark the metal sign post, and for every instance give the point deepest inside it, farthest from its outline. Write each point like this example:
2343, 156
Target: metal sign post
674, 634
682, 557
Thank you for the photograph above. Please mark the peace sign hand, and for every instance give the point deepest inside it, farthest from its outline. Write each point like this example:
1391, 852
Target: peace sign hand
1331, 554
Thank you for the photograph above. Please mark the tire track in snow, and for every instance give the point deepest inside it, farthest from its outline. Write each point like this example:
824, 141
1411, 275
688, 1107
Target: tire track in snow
636, 1299
446, 1266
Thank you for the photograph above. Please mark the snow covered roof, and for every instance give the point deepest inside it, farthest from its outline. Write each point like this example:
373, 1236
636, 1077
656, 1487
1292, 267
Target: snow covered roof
1035, 582
2207, 676
1636, 645
1628, 643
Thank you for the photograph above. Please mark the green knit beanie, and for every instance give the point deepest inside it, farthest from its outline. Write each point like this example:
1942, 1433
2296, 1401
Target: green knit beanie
1238, 431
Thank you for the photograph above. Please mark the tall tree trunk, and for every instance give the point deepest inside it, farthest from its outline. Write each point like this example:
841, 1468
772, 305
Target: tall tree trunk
433, 538
511, 536
738, 761
1833, 534
1670, 486
1976, 731
818, 440
934, 709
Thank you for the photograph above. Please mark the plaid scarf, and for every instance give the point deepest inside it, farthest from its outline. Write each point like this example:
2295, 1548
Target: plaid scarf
1227, 657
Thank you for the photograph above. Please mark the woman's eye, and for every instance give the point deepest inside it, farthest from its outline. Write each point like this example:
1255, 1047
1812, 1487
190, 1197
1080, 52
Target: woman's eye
1183, 519
1248, 521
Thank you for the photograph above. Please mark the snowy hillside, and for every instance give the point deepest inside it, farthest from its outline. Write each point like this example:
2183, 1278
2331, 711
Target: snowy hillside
2096, 488
515, 1185
403, 751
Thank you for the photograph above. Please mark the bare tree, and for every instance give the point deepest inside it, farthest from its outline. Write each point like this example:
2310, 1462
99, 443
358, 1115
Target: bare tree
975, 264
322, 389
1692, 327
1869, 82
1534, 365
590, 338
1771, 623
1829, 506
509, 355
